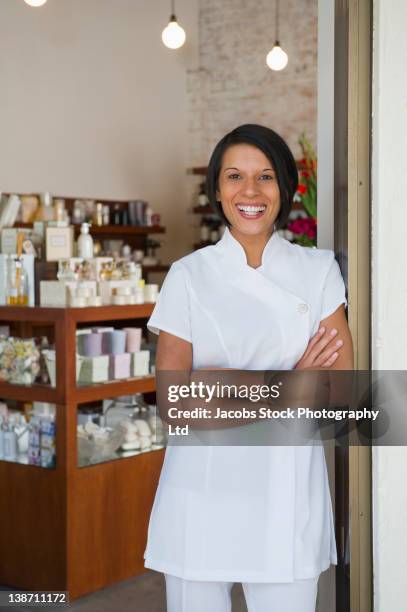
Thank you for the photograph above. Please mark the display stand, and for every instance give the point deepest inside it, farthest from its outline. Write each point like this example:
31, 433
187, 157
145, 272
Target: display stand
75, 529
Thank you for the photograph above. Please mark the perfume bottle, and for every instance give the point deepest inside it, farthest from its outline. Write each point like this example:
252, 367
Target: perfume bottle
17, 283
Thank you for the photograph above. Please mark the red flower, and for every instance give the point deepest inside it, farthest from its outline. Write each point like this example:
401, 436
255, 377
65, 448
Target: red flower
302, 188
305, 174
304, 226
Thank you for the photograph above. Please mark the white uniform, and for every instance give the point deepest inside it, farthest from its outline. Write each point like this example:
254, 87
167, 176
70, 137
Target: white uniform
245, 513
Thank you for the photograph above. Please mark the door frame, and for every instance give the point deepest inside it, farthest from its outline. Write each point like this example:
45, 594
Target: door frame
359, 288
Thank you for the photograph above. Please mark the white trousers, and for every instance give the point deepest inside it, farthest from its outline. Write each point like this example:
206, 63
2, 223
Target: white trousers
197, 596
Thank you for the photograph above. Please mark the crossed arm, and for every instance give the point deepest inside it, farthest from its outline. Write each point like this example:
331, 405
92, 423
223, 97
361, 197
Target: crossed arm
328, 350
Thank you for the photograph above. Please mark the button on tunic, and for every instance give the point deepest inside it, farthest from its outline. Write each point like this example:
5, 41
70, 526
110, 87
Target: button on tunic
245, 513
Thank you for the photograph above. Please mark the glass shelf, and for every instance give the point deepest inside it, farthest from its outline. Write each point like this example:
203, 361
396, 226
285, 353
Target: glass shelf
121, 455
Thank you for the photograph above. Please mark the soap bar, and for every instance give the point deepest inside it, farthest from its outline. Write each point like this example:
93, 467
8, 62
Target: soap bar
140, 363
120, 366
94, 369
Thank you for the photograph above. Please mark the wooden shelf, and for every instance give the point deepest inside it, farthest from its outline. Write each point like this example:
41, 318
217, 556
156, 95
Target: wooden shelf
113, 230
114, 388
204, 210
157, 268
198, 171
87, 526
29, 393
89, 314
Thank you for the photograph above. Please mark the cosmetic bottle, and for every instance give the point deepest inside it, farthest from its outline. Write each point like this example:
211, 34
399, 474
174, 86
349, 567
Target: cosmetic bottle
85, 242
10, 444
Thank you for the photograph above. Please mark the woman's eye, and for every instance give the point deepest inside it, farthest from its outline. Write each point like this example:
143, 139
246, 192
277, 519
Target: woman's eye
266, 177
234, 176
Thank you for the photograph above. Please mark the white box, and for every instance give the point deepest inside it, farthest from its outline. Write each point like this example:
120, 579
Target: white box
57, 293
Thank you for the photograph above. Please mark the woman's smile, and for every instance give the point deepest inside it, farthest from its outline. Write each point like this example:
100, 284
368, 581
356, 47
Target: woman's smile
251, 211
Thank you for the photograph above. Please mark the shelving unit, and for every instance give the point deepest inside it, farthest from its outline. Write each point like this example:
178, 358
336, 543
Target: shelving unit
74, 528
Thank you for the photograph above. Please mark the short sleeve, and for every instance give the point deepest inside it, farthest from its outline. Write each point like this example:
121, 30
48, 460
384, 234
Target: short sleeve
334, 291
172, 310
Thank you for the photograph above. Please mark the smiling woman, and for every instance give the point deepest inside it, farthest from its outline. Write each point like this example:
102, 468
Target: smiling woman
251, 302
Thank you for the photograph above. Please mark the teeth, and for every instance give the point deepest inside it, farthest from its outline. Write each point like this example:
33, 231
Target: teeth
251, 209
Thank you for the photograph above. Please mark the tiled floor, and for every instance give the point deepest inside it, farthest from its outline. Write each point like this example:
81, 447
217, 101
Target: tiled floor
145, 593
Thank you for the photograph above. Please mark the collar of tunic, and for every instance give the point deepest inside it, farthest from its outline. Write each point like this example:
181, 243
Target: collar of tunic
232, 249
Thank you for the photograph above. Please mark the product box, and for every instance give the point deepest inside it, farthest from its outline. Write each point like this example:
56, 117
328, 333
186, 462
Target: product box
59, 243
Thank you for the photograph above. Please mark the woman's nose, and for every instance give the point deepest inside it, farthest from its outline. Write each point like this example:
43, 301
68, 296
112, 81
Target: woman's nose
250, 187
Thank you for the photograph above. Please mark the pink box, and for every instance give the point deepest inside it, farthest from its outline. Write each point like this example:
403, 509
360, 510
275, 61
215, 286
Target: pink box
119, 366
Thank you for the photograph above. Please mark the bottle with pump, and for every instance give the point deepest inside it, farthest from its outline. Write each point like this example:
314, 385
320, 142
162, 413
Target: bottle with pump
85, 242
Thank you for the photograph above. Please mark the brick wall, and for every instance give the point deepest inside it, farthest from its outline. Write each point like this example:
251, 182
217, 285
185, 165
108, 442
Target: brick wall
233, 84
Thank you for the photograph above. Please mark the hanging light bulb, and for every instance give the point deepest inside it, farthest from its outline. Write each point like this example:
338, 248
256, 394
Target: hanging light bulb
277, 59
35, 2
173, 36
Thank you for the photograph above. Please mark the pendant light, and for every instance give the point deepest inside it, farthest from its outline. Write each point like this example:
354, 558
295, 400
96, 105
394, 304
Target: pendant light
277, 59
35, 2
173, 36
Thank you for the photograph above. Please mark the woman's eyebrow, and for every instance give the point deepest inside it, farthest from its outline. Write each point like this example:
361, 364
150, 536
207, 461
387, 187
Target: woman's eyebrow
233, 168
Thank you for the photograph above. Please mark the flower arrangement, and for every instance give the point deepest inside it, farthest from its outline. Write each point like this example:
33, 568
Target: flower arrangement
19, 360
305, 228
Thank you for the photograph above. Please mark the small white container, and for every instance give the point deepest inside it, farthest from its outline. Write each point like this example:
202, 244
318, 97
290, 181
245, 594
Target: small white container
78, 302
150, 293
83, 292
119, 300
126, 290
94, 300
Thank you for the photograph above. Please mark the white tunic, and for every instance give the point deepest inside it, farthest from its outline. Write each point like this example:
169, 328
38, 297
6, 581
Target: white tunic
245, 513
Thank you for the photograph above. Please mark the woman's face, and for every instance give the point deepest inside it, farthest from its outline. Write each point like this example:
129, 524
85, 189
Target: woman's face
248, 189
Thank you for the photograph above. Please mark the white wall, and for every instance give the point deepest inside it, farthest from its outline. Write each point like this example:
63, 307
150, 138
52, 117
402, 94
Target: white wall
325, 122
92, 103
389, 284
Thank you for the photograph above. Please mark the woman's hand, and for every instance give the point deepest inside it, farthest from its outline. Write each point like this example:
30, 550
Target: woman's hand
322, 350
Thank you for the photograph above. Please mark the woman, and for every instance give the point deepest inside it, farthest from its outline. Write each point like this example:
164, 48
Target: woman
261, 516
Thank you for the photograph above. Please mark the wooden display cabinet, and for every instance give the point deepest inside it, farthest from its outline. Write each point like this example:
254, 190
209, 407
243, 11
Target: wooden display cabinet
76, 529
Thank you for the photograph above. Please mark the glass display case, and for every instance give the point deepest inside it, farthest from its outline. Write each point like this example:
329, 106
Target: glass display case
86, 509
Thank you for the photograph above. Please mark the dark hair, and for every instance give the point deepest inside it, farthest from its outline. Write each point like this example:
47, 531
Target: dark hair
277, 152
